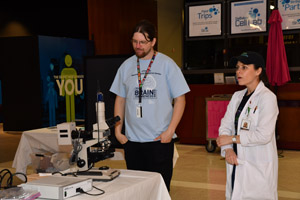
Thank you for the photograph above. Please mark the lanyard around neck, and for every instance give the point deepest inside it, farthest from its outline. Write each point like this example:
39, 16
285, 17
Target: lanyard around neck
141, 82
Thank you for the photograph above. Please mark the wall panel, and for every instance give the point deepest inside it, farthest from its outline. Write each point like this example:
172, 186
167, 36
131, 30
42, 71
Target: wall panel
111, 23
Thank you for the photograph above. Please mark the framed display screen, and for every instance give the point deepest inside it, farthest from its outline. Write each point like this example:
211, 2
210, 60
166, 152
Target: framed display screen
204, 19
290, 13
248, 16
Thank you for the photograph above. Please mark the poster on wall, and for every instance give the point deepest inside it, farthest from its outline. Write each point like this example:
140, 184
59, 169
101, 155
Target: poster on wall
62, 74
248, 16
205, 20
290, 13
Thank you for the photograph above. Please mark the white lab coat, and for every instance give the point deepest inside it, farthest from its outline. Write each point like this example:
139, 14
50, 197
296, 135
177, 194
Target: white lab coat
257, 173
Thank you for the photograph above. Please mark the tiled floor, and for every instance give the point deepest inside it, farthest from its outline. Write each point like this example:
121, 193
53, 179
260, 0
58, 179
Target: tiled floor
197, 174
201, 175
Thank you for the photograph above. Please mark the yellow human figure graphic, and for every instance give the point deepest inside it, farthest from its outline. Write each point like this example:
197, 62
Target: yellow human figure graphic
68, 77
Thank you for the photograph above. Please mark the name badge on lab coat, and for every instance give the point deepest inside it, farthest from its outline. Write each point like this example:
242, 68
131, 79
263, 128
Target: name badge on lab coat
246, 124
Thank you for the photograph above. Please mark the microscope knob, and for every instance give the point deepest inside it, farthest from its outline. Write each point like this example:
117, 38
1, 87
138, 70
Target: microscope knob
80, 163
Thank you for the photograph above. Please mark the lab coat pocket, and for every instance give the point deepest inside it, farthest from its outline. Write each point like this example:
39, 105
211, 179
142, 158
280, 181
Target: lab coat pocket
254, 117
257, 181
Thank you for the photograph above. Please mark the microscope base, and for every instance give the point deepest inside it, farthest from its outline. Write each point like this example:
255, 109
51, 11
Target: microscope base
100, 175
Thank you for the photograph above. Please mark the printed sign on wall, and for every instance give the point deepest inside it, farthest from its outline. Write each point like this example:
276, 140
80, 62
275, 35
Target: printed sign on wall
205, 20
290, 13
248, 16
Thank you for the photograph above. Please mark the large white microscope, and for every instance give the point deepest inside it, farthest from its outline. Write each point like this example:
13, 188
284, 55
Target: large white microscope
90, 147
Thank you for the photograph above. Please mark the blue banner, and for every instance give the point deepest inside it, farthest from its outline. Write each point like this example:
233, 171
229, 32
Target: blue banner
62, 74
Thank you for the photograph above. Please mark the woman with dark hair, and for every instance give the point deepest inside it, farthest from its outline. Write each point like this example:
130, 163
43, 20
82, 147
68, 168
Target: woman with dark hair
247, 134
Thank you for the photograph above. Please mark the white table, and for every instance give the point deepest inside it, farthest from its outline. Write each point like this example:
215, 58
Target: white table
35, 141
130, 185
44, 140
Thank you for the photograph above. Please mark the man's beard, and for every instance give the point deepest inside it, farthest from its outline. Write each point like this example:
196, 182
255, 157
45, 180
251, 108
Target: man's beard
143, 54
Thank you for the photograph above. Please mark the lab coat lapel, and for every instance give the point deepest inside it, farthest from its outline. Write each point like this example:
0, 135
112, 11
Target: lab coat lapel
253, 99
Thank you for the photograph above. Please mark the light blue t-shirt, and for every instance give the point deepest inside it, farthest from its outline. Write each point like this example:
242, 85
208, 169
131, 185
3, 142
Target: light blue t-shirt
164, 82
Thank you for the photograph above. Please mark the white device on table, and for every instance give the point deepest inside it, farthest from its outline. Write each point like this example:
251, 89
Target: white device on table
89, 148
64, 132
59, 187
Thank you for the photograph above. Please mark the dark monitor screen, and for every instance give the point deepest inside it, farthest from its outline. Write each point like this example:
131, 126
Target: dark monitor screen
99, 74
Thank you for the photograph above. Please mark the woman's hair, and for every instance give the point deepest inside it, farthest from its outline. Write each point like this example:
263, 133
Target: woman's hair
146, 28
263, 75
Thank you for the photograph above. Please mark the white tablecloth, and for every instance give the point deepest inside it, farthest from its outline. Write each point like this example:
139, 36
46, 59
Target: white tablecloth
35, 141
130, 185
42, 141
